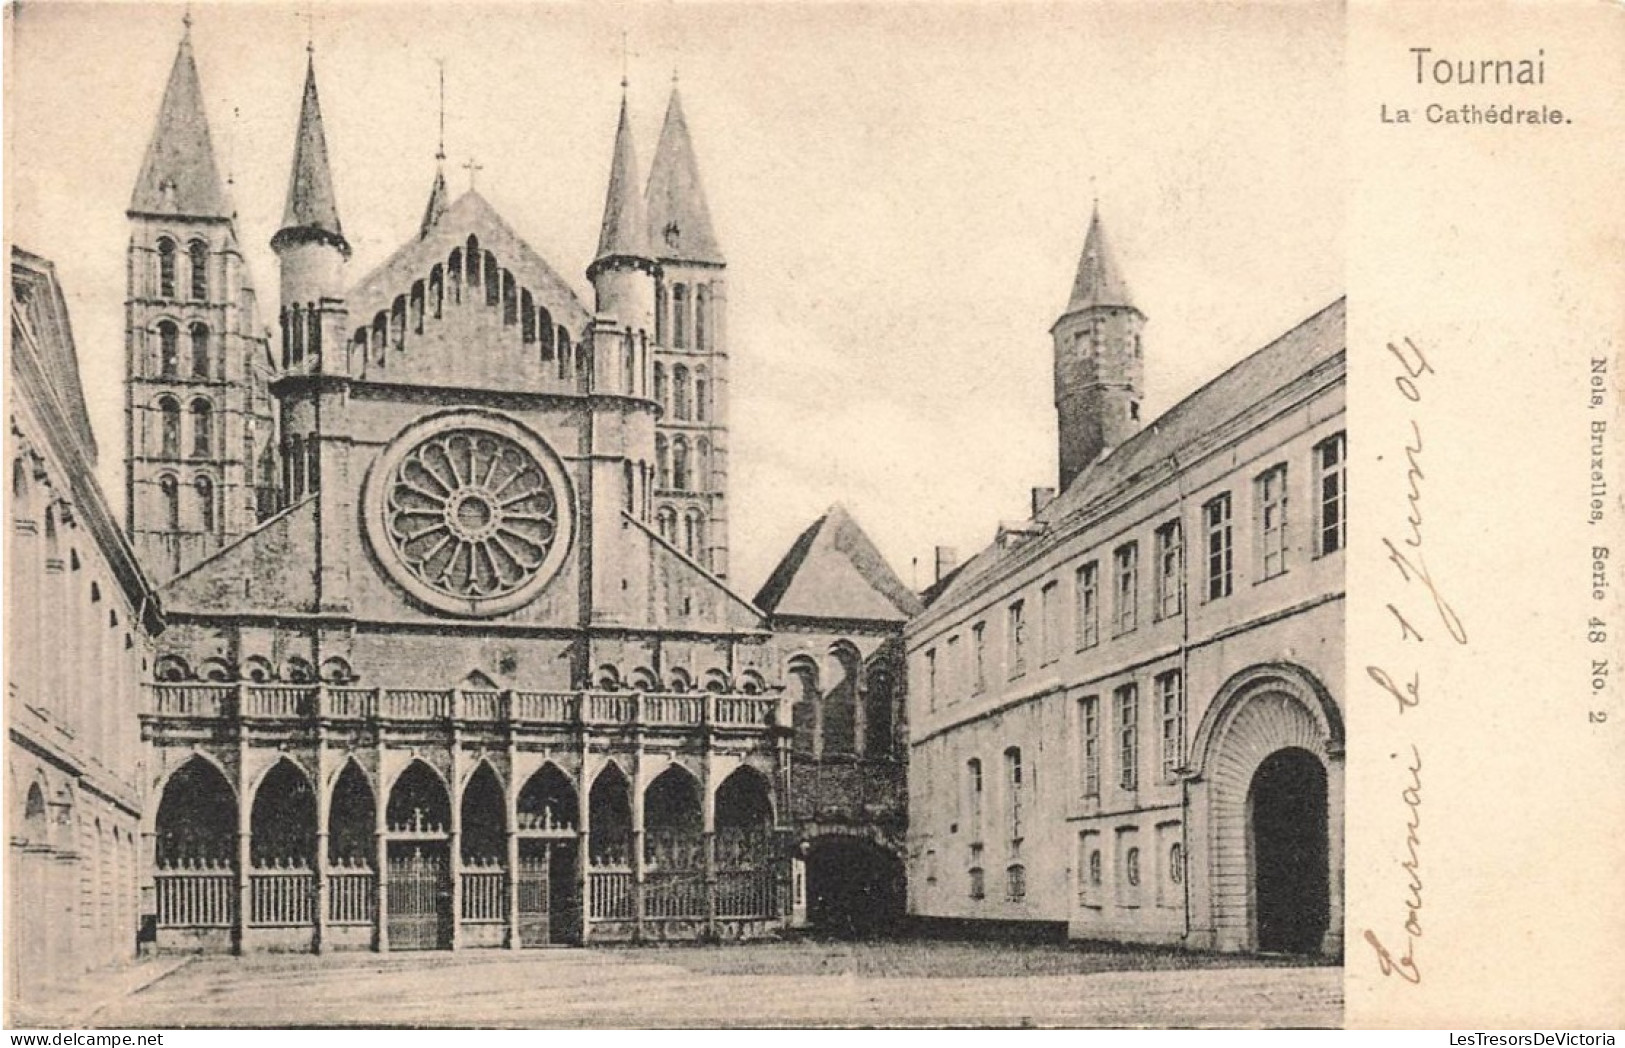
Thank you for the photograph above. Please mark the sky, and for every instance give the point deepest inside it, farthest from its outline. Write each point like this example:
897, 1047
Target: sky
901, 191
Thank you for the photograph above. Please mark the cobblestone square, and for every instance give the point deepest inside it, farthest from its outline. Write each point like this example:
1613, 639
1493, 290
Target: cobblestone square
782, 985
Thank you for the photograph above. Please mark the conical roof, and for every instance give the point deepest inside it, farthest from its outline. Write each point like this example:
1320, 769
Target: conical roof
179, 176
624, 233
1099, 282
679, 220
312, 209
437, 204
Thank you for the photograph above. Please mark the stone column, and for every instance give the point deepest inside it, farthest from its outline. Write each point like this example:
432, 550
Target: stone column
324, 801
708, 823
584, 847
513, 837
637, 819
381, 860
245, 816
454, 842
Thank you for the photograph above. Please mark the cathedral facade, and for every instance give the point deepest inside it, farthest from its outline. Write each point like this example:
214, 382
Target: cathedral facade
452, 657
1126, 714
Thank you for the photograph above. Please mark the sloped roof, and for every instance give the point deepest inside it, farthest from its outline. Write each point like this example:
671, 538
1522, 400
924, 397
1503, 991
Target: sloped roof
267, 570
37, 302
834, 571
623, 233
1234, 393
437, 204
312, 206
469, 215
179, 176
679, 219
1099, 282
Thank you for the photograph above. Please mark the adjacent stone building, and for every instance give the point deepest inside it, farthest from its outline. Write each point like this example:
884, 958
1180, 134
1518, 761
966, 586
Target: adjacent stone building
80, 622
1126, 714
453, 657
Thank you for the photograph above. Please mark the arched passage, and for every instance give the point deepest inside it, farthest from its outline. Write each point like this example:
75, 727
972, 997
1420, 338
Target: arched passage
746, 866
854, 887
351, 819
610, 810
673, 847
197, 818
484, 824
282, 828
549, 899
419, 897
1286, 818
418, 802
840, 728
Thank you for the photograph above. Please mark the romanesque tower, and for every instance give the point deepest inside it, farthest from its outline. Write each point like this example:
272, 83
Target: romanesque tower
199, 429
312, 252
1099, 372
691, 361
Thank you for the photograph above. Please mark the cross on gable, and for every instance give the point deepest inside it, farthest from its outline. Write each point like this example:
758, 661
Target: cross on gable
473, 167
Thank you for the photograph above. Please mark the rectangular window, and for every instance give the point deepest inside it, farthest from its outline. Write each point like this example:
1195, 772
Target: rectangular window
1018, 638
1013, 790
954, 676
1170, 570
931, 679
1171, 697
978, 645
978, 886
1126, 560
973, 797
1091, 874
1088, 624
1050, 623
1015, 883
1216, 517
1089, 718
1272, 508
1331, 463
1128, 736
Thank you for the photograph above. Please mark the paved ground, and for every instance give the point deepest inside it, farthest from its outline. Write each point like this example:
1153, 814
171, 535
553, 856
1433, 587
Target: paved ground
802, 984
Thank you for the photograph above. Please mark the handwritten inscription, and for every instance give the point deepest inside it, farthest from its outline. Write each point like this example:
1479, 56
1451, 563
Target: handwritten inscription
1419, 611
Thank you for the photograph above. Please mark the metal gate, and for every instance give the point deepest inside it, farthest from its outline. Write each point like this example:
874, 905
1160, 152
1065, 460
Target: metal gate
419, 897
549, 907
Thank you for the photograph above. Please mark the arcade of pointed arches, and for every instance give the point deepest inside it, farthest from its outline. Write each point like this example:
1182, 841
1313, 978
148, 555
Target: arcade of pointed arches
319, 863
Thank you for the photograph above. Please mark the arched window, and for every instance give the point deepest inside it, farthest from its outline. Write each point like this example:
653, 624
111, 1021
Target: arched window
527, 316
169, 349
493, 280
666, 523
202, 428
170, 490
313, 472
804, 704
380, 336
454, 276
702, 464
313, 321
660, 387
169, 434
679, 315
471, 255
629, 363
626, 485
878, 710
564, 352
205, 502
680, 392
437, 290
166, 268
662, 464
200, 351
608, 678
679, 464
702, 319
296, 331
701, 387
287, 337
544, 332
510, 299
660, 312
296, 466
694, 535
840, 727
198, 255
397, 322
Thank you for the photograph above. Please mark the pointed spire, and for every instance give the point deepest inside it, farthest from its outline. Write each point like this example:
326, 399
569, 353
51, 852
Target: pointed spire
624, 233
312, 210
1099, 282
179, 176
679, 219
437, 192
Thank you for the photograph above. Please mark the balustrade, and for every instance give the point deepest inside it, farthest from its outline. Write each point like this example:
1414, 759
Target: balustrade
279, 700
197, 895
281, 897
485, 892
674, 893
609, 893
350, 894
748, 893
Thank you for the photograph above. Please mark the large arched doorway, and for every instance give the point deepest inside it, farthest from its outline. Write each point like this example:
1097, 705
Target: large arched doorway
419, 896
282, 850
674, 847
196, 853
747, 877
1286, 818
549, 892
854, 887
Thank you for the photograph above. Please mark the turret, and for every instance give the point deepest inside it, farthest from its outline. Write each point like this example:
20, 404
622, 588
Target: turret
622, 270
1099, 372
310, 245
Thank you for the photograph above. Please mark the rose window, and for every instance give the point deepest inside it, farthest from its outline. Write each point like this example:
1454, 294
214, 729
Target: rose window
473, 513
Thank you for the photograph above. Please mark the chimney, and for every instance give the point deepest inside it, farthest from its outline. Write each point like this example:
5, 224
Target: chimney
1042, 497
947, 561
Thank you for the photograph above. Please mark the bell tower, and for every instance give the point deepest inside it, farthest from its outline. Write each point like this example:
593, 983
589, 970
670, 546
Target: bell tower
1099, 370
691, 360
199, 424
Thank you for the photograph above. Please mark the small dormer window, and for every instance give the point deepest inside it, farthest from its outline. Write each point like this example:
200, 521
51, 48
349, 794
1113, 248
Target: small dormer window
1134, 410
